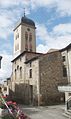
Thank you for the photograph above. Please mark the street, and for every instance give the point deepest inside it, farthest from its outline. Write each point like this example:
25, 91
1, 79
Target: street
46, 112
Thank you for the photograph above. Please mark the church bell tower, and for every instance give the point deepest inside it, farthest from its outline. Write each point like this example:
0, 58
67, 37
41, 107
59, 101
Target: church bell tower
24, 36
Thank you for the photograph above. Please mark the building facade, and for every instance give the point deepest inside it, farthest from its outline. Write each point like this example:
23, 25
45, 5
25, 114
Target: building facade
66, 54
35, 76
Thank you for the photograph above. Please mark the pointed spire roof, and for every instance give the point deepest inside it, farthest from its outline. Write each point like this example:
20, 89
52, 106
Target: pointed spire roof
26, 21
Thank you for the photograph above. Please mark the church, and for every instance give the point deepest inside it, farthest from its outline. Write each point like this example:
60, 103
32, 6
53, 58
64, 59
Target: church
36, 76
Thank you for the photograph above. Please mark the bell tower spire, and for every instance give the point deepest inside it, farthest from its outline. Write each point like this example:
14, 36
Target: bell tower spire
24, 36
24, 12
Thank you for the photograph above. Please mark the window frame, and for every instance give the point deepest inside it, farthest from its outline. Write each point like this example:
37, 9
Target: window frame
20, 72
30, 73
63, 58
64, 71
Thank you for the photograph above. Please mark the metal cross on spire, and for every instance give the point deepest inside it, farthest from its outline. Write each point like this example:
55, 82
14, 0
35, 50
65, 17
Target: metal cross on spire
24, 12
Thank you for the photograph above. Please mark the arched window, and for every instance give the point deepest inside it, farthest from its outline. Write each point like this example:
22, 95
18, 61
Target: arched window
30, 37
17, 36
26, 47
30, 47
26, 41
26, 36
20, 72
15, 74
30, 73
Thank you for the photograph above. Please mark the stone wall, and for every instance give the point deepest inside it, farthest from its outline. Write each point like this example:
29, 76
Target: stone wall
30, 55
18, 85
47, 75
22, 93
51, 75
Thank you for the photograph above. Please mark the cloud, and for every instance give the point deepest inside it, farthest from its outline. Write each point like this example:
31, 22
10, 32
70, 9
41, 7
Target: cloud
42, 48
11, 12
58, 38
8, 3
41, 3
62, 7
42, 31
62, 29
6, 66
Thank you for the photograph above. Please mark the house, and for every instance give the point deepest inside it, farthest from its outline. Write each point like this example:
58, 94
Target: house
66, 55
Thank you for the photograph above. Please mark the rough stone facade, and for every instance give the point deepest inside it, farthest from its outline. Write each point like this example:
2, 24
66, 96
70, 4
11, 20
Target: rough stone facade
51, 76
25, 88
42, 87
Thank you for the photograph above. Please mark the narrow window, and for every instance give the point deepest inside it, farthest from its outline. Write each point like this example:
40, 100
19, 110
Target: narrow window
64, 71
30, 73
21, 72
5, 88
15, 74
30, 42
26, 36
30, 37
26, 41
30, 47
26, 47
63, 58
